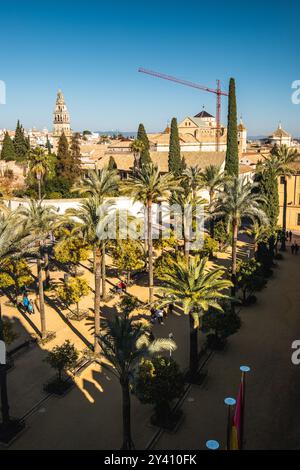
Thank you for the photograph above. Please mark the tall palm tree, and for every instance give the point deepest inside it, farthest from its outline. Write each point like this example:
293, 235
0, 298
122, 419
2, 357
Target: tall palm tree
137, 146
284, 157
195, 289
124, 343
212, 178
100, 184
39, 219
192, 177
238, 201
146, 185
86, 219
39, 165
187, 202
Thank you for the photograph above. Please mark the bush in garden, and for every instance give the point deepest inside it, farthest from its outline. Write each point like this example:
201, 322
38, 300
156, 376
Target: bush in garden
220, 325
14, 275
128, 255
221, 235
72, 291
250, 277
159, 382
62, 358
210, 245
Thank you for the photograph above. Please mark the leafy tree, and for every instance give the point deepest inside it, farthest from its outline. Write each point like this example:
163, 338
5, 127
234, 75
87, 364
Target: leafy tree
128, 255
8, 150
71, 248
15, 274
164, 263
73, 291
48, 146
62, 357
145, 152
124, 343
219, 325
159, 382
249, 277
195, 289
221, 234
21, 144
175, 161
232, 152
210, 245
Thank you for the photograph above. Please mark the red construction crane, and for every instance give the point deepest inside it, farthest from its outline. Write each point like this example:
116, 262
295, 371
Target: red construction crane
218, 92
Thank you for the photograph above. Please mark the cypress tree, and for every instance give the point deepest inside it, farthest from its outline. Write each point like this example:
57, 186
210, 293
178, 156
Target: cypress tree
232, 153
75, 154
64, 165
268, 188
20, 143
48, 146
176, 164
8, 150
145, 153
112, 163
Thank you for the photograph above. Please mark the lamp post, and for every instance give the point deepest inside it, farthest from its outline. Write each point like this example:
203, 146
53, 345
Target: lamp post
229, 402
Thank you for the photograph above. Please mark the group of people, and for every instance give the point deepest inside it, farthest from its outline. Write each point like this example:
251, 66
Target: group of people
27, 304
158, 314
120, 288
294, 248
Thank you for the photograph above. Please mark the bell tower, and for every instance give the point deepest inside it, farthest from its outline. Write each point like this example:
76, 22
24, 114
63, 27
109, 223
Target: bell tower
61, 121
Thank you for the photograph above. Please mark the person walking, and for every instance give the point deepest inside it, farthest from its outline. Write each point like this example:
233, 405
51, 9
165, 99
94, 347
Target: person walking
25, 302
293, 248
290, 235
30, 307
296, 248
170, 309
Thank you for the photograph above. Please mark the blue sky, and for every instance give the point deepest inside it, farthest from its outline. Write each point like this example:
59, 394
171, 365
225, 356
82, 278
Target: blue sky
92, 50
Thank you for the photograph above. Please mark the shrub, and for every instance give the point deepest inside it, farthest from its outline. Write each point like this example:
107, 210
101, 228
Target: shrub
62, 358
210, 245
220, 325
250, 277
159, 382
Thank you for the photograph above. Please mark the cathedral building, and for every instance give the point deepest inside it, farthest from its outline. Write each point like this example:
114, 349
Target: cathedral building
61, 121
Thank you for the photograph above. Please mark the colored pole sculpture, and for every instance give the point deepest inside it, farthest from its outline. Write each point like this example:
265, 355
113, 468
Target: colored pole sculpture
229, 402
244, 370
212, 444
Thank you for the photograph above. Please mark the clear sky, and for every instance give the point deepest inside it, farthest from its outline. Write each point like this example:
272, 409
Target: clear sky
92, 50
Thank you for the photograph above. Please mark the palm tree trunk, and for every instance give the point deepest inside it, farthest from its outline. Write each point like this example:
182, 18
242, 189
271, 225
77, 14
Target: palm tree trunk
150, 249
234, 256
103, 268
193, 347
186, 249
127, 441
283, 247
47, 271
212, 222
41, 296
97, 298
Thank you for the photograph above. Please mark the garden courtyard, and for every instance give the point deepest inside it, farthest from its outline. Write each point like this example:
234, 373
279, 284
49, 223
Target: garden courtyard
89, 416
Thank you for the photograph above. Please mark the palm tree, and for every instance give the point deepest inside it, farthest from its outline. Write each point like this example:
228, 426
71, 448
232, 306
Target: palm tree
146, 185
39, 165
195, 289
39, 219
86, 219
124, 343
212, 178
187, 202
284, 157
192, 176
258, 232
137, 146
100, 184
238, 201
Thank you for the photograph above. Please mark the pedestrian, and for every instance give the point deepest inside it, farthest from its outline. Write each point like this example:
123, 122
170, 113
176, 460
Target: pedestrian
160, 316
286, 235
296, 248
30, 308
290, 235
170, 309
25, 302
293, 248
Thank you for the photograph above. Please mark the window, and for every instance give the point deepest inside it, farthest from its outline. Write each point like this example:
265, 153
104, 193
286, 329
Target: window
298, 221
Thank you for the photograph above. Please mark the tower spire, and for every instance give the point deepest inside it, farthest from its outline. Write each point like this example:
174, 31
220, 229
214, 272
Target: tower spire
61, 121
